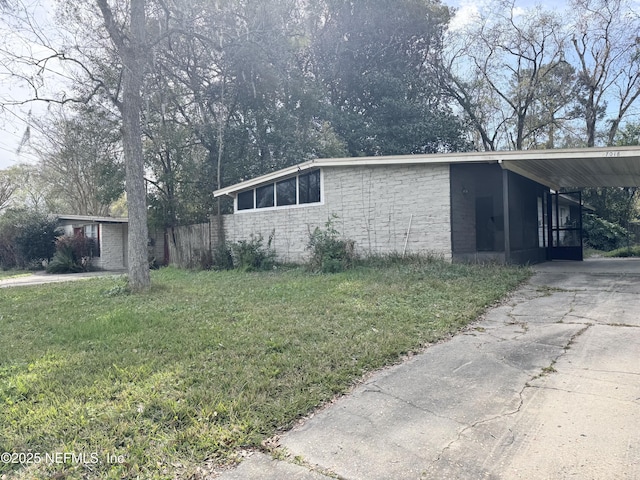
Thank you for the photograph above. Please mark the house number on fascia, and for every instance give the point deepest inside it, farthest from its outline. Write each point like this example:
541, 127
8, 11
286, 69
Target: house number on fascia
612, 154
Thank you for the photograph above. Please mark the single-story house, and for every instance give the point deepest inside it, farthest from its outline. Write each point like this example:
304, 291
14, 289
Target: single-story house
467, 207
110, 234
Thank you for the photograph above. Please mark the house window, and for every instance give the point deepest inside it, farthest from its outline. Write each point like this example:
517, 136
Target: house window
286, 192
310, 187
264, 196
92, 233
245, 200
298, 190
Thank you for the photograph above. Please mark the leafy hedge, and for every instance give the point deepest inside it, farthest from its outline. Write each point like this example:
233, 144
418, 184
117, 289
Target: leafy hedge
27, 239
602, 234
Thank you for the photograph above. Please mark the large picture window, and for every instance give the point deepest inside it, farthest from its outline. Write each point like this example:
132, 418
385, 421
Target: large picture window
298, 190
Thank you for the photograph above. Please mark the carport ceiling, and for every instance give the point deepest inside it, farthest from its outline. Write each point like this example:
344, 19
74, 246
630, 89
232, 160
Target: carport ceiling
594, 167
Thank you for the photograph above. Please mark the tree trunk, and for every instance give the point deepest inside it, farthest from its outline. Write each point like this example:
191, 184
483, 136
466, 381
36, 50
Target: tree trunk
139, 277
134, 61
131, 48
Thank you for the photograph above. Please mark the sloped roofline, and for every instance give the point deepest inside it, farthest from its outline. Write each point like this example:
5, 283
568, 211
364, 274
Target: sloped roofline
577, 167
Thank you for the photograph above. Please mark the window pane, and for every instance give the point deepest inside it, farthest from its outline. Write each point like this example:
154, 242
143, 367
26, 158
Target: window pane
310, 187
264, 196
91, 231
286, 192
245, 200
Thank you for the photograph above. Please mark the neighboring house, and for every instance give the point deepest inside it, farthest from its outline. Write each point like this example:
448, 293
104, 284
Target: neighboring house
109, 233
487, 206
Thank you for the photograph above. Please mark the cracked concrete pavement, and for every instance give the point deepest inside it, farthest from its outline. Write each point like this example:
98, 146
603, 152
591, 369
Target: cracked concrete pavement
545, 386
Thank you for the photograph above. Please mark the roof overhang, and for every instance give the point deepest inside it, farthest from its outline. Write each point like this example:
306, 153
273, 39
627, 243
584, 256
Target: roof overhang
592, 167
91, 219
579, 167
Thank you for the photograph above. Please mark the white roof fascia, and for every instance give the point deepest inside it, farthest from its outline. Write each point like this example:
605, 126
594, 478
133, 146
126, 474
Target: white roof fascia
508, 159
92, 219
354, 161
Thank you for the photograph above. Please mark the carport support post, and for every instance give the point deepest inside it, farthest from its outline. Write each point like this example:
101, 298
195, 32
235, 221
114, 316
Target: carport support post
505, 211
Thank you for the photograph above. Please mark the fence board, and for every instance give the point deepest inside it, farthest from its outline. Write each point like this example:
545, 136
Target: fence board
190, 245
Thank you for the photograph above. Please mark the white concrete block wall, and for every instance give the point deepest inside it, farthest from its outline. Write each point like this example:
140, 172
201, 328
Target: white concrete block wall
374, 205
112, 252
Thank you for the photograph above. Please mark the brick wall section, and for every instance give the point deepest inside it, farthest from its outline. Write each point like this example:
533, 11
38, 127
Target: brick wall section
374, 205
112, 248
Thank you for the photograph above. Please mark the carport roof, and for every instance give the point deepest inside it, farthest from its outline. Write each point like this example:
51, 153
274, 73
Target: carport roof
580, 167
592, 167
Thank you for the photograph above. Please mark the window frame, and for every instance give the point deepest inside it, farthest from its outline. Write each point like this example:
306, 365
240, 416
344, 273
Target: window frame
295, 191
253, 200
274, 183
265, 187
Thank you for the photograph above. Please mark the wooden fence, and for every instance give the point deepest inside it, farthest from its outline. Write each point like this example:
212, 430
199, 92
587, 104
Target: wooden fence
189, 246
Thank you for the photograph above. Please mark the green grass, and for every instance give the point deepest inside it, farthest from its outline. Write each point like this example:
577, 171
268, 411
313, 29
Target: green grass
207, 363
633, 251
4, 274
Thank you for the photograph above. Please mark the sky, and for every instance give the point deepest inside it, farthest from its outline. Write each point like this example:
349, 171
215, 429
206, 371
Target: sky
14, 120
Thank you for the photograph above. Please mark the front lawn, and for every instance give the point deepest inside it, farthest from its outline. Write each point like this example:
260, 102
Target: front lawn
4, 274
103, 384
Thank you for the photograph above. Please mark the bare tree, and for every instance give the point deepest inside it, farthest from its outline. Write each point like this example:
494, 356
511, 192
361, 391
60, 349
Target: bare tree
66, 55
81, 158
31, 190
497, 69
605, 41
8, 187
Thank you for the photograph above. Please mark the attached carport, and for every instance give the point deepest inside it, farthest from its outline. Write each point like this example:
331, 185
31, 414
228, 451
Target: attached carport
576, 168
567, 169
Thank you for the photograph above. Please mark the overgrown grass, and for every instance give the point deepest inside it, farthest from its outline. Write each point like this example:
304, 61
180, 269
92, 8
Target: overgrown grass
207, 363
4, 274
633, 251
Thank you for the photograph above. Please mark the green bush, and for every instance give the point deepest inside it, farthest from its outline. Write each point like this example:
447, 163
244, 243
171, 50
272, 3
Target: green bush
329, 252
603, 235
252, 255
27, 238
624, 252
222, 258
73, 255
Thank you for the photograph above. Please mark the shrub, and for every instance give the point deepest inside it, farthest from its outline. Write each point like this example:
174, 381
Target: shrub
36, 239
602, 234
252, 255
222, 257
329, 252
624, 252
27, 239
73, 254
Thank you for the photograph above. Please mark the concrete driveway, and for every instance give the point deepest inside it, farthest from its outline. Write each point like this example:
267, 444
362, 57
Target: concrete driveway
546, 386
40, 278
